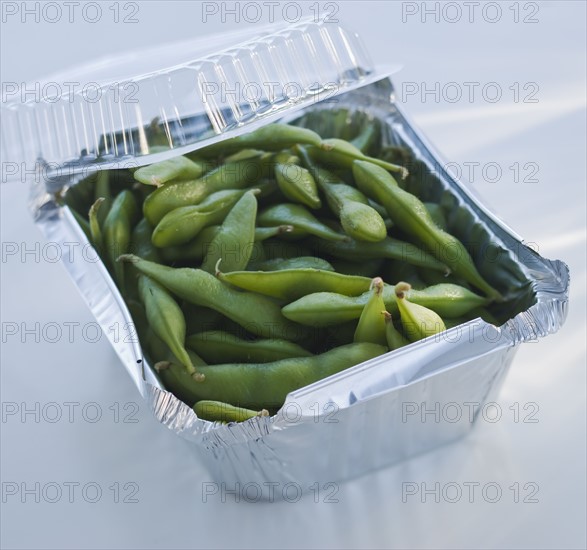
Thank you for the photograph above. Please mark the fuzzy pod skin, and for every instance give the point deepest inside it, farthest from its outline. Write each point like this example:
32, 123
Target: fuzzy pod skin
324, 309
418, 321
358, 219
395, 339
183, 224
291, 284
300, 218
223, 347
232, 244
231, 175
371, 326
216, 411
174, 169
338, 152
388, 248
410, 215
165, 319
301, 262
266, 385
273, 137
102, 191
297, 185
193, 250
174, 376
257, 314
141, 243
117, 232
196, 248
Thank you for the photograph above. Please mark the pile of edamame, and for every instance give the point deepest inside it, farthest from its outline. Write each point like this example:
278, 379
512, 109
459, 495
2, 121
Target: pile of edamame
266, 262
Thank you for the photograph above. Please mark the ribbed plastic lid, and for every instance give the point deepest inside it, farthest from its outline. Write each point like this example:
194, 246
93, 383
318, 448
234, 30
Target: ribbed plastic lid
148, 105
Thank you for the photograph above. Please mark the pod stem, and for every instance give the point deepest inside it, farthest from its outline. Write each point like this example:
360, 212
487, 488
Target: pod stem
401, 289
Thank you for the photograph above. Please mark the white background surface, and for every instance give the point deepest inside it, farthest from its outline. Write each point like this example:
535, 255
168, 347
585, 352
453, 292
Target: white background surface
171, 512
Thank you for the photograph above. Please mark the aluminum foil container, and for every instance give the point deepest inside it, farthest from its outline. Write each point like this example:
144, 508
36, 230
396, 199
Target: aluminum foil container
379, 412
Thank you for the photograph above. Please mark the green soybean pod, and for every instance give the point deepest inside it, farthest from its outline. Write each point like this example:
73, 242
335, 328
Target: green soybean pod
364, 268
183, 224
367, 137
418, 321
117, 232
371, 327
166, 320
297, 184
95, 230
410, 215
323, 309
233, 243
395, 339
177, 168
231, 175
141, 243
300, 218
273, 137
102, 191
291, 284
202, 289
266, 385
341, 153
437, 215
217, 346
175, 378
388, 248
357, 218
301, 262
216, 411
200, 319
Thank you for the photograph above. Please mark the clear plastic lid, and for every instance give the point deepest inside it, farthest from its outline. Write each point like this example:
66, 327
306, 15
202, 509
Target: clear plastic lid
148, 105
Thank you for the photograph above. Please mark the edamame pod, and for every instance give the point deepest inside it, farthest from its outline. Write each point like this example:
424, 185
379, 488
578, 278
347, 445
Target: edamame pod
410, 215
324, 309
371, 327
194, 250
102, 191
395, 339
273, 137
222, 347
357, 218
177, 168
231, 175
367, 137
338, 152
233, 242
266, 385
303, 221
301, 262
174, 376
141, 244
291, 284
258, 314
117, 231
183, 224
437, 214
297, 184
388, 248
216, 411
95, 229
166, 320
418, 321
